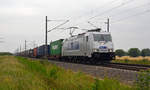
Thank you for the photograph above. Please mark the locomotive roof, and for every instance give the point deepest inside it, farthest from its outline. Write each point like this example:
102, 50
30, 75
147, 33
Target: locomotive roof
88, 32
102, 32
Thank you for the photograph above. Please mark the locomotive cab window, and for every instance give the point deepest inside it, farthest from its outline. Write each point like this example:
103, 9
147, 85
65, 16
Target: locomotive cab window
102, 37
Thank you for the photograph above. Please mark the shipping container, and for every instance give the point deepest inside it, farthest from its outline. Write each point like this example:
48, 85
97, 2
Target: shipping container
41, 50
35, 52
55, 48
27, 53
48, 48
31, 53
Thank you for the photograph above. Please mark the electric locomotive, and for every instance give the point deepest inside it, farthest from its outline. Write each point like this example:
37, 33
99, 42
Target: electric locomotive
93, 45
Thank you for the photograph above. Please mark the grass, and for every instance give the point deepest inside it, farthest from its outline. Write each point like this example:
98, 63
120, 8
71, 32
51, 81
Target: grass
143, 81
17, 73
133, 60
14, 76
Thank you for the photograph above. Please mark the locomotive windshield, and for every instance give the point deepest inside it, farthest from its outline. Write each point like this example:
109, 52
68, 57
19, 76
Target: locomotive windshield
102, 37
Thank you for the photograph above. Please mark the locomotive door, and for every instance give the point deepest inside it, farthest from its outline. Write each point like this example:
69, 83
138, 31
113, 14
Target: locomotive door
86, 45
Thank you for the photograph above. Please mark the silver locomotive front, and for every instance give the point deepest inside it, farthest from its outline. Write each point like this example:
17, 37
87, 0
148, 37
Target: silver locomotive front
102, 46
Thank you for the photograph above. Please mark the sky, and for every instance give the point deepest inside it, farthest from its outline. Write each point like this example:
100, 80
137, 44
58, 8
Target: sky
22, 20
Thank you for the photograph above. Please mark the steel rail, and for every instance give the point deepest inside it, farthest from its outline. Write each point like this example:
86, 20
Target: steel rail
134, 67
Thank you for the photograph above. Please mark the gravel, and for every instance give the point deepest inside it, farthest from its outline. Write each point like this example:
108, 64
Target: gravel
125, 76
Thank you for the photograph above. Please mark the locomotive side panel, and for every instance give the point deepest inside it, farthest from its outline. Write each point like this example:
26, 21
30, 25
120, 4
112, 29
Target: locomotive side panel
73, 46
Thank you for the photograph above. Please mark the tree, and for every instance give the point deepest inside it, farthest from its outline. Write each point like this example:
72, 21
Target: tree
145, 52
134, 52
120, 52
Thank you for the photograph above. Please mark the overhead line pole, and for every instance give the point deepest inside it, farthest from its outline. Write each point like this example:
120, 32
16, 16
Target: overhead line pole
20, 48
46, 37
46, 32
25, 46
108, 22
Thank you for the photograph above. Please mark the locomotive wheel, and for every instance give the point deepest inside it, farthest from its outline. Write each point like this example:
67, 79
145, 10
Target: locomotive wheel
93, 61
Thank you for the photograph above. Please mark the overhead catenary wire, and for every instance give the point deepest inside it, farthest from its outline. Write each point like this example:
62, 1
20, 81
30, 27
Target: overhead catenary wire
144, 5
127, 10
56, 20
122, 4
58, 26
109, 10
72, 29
137, 14
92, 24
89, 12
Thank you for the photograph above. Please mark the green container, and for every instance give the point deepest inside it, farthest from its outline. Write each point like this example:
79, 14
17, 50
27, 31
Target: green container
55, 47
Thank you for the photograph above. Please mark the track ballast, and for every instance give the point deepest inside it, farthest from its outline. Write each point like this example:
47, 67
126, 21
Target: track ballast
125, 66
133, 67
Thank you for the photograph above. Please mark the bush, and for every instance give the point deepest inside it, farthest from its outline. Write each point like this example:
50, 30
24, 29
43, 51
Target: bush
145, 52
120, 52
134, 52
109, 84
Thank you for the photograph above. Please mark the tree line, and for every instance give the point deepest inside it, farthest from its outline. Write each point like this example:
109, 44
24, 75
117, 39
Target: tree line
133, 52
5, 53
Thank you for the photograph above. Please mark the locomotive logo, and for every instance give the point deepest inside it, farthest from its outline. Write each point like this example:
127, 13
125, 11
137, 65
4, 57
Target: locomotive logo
55, 47
103, 47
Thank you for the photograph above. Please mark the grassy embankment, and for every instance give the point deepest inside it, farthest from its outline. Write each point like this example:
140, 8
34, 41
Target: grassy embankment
133, 60
17, 73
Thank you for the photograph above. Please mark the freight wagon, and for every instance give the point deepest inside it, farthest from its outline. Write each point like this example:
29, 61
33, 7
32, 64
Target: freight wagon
39, 52
55, 49
35, 52
30, 53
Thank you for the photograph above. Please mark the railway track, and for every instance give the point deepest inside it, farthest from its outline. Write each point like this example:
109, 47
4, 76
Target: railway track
133, 67
125, 66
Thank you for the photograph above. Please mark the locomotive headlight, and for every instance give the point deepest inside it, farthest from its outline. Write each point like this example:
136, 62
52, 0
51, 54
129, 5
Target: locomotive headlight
110, 50
95, 50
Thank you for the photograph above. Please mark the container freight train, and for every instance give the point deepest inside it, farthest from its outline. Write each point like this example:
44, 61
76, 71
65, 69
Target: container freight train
93, 46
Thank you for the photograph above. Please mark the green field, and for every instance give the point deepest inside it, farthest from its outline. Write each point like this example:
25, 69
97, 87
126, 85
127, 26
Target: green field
17, 73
